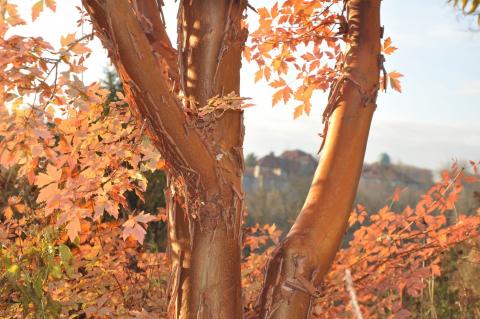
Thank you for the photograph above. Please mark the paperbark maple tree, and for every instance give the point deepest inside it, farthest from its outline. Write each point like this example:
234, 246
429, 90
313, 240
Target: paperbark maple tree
68, 156
203, 150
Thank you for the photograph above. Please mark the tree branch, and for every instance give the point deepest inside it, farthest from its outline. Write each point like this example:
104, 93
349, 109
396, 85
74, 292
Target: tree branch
307, 252
150, 95
149, 15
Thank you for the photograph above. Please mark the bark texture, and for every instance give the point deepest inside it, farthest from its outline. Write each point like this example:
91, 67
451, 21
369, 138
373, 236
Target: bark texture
300, 262
203, 153
210, 44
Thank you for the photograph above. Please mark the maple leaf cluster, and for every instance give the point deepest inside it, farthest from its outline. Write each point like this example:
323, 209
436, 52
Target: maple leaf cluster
79, 154
298, 48
392, 255
45, 276
68, 156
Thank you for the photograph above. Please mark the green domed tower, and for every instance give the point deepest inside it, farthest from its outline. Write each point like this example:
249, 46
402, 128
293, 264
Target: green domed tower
384, 159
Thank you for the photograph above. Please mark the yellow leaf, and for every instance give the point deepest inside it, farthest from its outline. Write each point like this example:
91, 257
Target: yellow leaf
277, 96
160, 164
8, 212
258, 75
36, 9
247, 53
263, 13
80, 49
387, 46
67, 40
287, 92
298, 111
47, 193
267, 73
119, 95
394, 81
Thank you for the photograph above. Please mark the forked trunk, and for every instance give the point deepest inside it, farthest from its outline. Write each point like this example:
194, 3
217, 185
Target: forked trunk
203, 149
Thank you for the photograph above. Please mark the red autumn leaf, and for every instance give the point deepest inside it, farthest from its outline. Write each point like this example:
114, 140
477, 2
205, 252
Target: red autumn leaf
387, 46
51, 4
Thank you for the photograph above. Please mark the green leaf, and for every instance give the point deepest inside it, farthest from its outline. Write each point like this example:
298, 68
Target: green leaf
38, 285
65, 254
56, 272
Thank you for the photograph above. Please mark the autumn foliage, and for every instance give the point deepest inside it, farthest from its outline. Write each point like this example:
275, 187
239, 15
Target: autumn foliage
301, 54
70, 152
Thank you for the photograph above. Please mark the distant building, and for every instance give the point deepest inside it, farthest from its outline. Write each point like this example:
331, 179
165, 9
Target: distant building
299, 163
383, 172
275, 171
272, 171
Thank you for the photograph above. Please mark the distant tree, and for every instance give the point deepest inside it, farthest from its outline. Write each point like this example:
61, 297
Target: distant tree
251, 160
111, 81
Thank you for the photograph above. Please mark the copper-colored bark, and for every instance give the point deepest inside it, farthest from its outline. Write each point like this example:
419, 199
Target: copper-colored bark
204, 155
179, 252
154, 28
303, 258
210, 45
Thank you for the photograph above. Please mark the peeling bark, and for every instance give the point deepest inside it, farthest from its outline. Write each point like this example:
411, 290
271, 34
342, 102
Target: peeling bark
150, 95
300, 262
204, 155
152, 21
210, 45
179, 253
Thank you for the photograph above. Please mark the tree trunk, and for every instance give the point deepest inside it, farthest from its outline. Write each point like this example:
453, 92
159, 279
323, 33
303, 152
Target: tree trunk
210, 45
204, 152
179, 252
303, 258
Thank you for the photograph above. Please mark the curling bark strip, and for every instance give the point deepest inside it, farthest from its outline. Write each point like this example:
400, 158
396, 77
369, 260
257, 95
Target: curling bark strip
295, 272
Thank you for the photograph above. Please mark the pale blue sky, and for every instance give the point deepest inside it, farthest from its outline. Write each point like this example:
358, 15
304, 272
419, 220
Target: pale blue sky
434, 120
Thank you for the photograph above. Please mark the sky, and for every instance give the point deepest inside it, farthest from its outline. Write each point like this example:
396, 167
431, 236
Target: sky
432, 122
